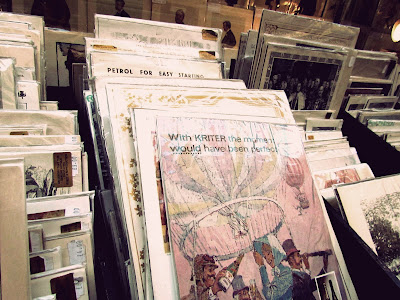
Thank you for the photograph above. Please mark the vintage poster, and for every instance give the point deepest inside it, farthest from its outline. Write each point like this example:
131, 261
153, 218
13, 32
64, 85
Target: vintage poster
114, 101
144, 142
244, 215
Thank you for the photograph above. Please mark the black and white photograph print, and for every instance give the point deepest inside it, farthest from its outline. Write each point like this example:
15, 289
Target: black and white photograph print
327, 287
309, 82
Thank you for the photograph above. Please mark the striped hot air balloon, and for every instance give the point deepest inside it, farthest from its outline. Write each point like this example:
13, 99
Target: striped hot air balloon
294, 172
295, 178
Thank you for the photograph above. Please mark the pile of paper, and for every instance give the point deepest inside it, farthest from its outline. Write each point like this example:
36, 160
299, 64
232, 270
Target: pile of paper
22, 66
373, 94
46, 208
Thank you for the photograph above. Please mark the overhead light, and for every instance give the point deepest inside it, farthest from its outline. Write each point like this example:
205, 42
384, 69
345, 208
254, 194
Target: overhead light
396, 32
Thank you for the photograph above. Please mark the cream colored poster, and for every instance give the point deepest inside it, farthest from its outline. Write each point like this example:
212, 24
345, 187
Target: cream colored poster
240, 199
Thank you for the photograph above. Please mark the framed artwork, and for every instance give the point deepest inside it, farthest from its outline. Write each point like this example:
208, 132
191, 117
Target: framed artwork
113, 101
381, 102
215, 214
374, 64
67, 54
312, 79
63, 48
371, 208
281, 24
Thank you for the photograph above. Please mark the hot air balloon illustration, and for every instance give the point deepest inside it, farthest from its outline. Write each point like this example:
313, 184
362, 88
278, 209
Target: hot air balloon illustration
225, 189
294, 177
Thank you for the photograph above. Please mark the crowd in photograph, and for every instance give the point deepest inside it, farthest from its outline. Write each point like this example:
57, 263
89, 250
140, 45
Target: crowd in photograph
303, 93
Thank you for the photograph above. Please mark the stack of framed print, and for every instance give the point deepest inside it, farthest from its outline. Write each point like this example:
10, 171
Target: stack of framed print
313, 75
154, 52
300, 116
377, 113
167, 93
54, 183
66, 222
139, 77
365, 115
285, 25
53, 165
371, 209
389, 130
218, 216
356, 103
32, 28
247, 48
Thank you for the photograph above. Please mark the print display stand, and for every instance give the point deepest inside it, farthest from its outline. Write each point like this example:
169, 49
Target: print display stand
373, 150
111, 249
371, 278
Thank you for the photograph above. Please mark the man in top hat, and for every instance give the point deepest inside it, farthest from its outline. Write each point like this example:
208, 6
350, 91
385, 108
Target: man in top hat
206, 286
240, 290
303, 285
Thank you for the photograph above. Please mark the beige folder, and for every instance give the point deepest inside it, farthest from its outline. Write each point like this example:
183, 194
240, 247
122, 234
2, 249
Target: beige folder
64, 225
59, 206
68, 280
50, 172
58, 122
32, 140
76, 248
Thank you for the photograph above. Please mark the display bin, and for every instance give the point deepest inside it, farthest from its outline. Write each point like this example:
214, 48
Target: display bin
383, 158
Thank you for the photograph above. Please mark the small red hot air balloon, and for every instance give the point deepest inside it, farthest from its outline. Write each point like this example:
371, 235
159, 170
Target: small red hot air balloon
295, 178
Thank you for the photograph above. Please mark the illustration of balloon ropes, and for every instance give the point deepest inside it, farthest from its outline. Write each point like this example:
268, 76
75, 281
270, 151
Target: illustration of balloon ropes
240, 222
249, 222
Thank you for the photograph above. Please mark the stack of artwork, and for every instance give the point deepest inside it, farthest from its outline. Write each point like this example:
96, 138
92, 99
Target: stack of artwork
212, 179
46, 209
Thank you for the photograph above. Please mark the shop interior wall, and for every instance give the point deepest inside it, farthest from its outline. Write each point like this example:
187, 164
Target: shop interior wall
374, 17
